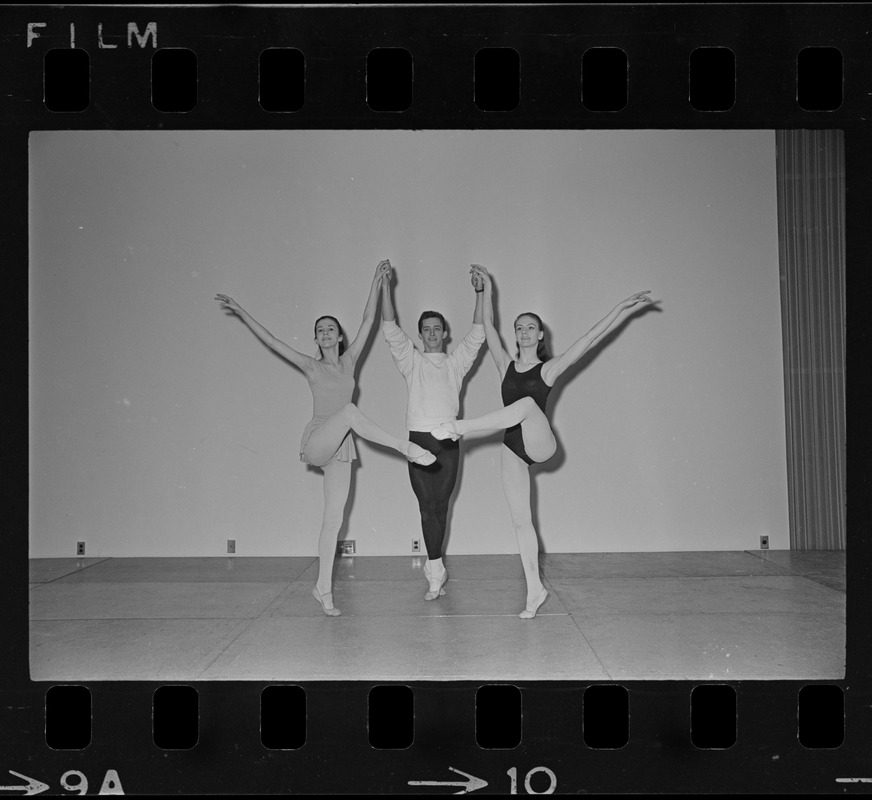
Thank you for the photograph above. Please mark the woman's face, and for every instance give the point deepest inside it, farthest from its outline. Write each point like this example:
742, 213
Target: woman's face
527, 331
327, 332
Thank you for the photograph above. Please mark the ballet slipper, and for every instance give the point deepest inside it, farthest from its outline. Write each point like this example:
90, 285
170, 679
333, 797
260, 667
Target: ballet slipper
445, 430
435, 589
424, 458
330, 612
530, 611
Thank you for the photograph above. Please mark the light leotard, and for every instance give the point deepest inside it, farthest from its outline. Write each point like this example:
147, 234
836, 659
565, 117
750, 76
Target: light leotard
332, 388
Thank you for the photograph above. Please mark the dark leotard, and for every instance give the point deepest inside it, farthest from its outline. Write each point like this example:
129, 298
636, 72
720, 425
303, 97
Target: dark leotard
515, 386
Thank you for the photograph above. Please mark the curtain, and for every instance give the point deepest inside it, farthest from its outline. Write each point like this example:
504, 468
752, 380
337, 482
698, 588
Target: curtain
810, 176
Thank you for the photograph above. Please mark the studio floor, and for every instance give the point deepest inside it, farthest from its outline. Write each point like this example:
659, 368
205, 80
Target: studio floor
752, 615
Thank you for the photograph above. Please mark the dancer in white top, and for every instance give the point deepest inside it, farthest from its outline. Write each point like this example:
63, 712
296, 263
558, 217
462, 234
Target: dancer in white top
433, 380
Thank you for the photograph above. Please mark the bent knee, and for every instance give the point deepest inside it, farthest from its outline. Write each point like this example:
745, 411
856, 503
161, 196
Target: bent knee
527, 403
544, 453
315, 458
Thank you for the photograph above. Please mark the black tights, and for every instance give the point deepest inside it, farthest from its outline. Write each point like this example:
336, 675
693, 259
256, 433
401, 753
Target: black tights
433, 486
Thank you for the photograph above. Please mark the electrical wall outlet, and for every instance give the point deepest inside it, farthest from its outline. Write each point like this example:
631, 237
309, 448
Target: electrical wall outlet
764, 542
231, 545
345, 547
416, 545
80, 548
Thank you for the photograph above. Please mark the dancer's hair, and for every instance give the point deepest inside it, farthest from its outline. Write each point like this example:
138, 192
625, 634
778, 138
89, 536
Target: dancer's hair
341, 333
428, 314
541, 347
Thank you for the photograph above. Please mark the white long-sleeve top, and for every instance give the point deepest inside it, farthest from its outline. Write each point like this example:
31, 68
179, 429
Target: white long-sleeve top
434, 380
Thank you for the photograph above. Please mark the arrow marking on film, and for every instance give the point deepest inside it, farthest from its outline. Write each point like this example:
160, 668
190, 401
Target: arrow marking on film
31, 787
470, 785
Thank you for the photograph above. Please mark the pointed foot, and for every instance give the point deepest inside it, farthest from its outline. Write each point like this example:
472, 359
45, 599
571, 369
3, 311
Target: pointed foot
418, 455
532, 607
445, 430
326, 601
435, 583
434, 595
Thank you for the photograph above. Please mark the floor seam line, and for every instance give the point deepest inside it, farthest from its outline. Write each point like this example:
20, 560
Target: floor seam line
225, 649
75, 572
578, 628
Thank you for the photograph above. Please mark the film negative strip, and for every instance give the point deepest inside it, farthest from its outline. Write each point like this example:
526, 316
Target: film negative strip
154, 661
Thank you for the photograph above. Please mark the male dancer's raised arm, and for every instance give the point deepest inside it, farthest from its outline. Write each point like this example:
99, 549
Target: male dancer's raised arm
465, 353
478, 313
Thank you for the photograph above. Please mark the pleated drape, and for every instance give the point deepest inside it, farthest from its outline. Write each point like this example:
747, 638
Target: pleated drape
811, 243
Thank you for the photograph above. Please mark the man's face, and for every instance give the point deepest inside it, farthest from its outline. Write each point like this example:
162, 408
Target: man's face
432, 334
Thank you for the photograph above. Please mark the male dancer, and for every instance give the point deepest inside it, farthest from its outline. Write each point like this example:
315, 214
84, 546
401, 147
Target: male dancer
434, 380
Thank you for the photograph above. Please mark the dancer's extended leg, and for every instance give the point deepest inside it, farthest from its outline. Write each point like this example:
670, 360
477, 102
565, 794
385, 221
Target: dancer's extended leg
539, 441
325, 440
337, 479
516, 486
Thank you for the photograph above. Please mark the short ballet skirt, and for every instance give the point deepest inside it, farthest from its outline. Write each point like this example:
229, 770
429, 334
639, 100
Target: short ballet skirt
346, 451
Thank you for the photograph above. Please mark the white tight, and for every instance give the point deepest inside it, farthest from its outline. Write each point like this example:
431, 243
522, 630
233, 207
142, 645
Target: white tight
516, 487
326, 438
320, 449
337, 480
539, 441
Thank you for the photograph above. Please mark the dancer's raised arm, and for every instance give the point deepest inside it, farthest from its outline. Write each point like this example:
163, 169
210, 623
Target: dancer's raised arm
387, 307
556, 366
482, 279
296, 358
369, 312
478, 313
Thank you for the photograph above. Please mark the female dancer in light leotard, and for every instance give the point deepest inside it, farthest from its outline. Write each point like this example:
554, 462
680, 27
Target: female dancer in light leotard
526, 381
327, 442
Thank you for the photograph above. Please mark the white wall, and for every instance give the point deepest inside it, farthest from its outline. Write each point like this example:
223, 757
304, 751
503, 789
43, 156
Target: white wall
161, 426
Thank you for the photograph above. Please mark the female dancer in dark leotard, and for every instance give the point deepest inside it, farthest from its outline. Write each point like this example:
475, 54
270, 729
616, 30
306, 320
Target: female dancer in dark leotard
327, 442
526, 382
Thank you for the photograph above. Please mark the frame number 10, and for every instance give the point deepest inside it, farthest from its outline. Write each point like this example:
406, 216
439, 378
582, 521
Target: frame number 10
528, 780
